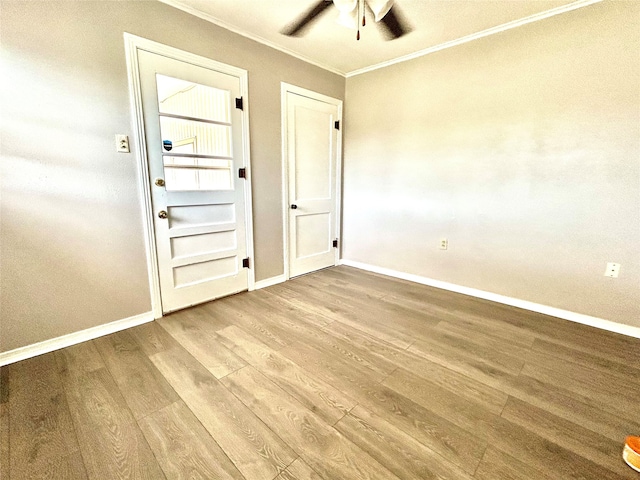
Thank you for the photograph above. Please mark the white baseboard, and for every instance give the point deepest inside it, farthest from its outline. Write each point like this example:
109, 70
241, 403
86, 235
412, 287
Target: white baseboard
268, 282
57, 343
601, 323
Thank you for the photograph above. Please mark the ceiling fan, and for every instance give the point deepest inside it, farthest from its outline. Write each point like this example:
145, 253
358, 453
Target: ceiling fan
350, 13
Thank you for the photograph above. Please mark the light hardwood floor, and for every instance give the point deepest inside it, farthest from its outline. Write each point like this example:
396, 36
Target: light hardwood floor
340, 374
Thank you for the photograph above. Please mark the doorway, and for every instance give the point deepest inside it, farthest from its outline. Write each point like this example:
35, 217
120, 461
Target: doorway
311, 125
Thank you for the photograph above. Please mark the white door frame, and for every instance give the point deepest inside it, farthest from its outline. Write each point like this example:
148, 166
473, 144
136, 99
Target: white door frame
288, 88
132, 44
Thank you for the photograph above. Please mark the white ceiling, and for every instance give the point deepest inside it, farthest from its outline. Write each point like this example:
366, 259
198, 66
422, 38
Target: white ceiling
334, 47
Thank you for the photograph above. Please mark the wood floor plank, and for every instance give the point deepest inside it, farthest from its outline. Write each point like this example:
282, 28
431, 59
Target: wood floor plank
468, 415
497, 465
625, 371
205, 346
321, 446
4, 384
184, 448
590, 445
466, 364
299, 470
144, 388
400, 453
77, 360
111, 442
255, 450
484, 340
321, 398
362, 316
577, 409
268, 334
461, 385
449, 346
392, 323
41, 430
61, 468
4, 440
587, 382
435, 432
152, 338
544, 455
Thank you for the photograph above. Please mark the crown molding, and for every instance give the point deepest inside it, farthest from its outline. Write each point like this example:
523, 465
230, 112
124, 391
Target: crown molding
474, 36
420, 53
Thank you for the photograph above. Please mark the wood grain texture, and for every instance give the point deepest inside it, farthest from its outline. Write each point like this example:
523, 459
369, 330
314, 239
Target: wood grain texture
399, 452
496, 465
4, 440
434, 431
597, 448
111, 442
183, 447
152, 338
255, 450
466, 414
144, 388
324, 400
322, 447
339, 374
41, 430
299, 470
203, 343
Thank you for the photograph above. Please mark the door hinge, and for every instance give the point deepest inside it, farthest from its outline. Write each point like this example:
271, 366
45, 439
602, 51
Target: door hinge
335, 243
245, 262
239, 103
336, 125
242, 172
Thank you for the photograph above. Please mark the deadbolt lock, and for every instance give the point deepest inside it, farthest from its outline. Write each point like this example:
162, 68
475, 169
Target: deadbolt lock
162, 214
160, 182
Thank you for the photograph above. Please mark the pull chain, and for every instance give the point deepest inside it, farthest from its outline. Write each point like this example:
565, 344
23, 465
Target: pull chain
360, 7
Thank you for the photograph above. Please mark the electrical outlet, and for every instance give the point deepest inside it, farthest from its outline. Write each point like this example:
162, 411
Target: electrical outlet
444, 244
122, 144
613, 270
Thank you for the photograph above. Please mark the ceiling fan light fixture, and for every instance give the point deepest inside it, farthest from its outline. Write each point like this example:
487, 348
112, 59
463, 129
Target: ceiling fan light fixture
379, 8
345, 6
348, 19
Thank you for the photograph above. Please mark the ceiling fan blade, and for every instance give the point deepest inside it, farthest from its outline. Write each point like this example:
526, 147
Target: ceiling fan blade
395, 25
298, 27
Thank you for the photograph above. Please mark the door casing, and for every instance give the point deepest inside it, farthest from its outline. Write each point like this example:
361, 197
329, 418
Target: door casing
132, 44
288, 88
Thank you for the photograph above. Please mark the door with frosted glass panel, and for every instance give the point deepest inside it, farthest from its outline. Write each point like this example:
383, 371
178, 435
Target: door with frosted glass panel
195, 149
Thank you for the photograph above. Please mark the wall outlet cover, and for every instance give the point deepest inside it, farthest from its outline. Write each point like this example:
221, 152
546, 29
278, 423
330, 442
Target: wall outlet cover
613, 270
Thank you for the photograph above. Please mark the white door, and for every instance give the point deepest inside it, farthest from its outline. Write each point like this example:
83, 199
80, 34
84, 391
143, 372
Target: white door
194, 144
312, 150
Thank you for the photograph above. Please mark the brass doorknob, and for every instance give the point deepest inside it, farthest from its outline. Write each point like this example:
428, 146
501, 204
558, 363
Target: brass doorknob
162, 214
159, 182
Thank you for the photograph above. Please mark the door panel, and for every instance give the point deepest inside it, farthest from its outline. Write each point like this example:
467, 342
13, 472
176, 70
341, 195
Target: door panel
312, 149
194, 145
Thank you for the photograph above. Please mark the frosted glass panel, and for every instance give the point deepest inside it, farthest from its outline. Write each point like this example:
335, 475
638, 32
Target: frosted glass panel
187, 99
189, 136
182, 179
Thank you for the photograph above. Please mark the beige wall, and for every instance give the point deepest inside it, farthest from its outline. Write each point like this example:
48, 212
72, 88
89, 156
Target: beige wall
72, 253
523, 149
